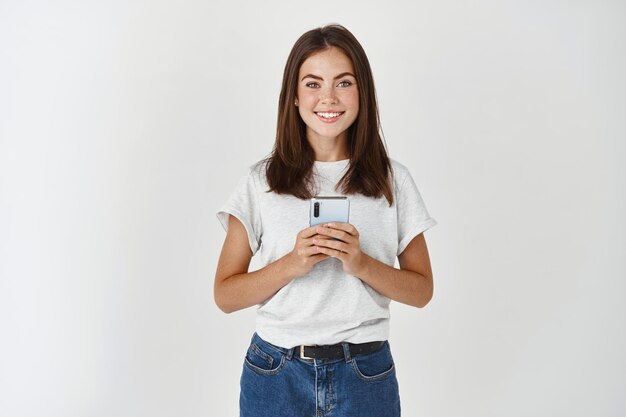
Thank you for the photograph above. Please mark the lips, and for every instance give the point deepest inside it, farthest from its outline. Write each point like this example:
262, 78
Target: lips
329, 117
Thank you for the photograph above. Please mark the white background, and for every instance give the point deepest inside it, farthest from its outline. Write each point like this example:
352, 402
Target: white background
125, 125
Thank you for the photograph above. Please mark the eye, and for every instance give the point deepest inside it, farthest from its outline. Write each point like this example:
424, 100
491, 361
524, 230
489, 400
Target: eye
312, 84
345, 84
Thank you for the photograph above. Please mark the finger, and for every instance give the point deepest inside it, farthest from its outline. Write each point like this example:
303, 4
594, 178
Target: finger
332, 252
308, 232
309, 240
311, 251
336, 234
346, 227
326, 231
319, 257
329, 243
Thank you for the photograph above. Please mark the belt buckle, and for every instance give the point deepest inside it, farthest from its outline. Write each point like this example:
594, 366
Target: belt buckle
302, 353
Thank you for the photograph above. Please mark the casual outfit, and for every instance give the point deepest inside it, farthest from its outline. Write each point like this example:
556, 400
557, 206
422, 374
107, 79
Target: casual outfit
326, 306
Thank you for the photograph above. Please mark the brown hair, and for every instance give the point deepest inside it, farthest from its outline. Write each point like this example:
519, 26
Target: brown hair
289, 168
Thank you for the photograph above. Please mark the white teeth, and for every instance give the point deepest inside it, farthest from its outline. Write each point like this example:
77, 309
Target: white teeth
328, 115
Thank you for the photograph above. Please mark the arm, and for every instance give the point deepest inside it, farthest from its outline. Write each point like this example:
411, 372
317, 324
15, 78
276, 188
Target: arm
412, 284
234, 288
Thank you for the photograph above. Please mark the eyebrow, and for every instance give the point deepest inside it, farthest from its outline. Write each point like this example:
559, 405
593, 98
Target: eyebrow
343, 74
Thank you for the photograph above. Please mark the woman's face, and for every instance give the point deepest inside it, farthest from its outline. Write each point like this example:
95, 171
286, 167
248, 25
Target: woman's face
327, 95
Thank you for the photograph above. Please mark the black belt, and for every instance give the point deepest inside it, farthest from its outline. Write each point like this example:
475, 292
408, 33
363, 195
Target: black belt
336, 351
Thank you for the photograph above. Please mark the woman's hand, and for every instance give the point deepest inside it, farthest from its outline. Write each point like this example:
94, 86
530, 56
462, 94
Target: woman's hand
347, 249
305, 254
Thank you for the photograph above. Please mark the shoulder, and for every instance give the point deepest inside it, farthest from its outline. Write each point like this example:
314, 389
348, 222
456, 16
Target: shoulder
399, 172
255, 174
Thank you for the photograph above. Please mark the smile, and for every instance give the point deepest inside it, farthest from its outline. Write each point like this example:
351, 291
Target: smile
329, 116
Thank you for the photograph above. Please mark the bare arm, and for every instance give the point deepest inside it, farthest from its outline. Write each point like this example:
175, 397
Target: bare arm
235, 288
412, 284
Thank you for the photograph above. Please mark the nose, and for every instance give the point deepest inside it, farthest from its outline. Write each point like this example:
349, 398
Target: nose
327, 95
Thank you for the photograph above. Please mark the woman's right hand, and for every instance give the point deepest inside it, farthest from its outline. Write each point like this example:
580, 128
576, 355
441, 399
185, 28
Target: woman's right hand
304, 254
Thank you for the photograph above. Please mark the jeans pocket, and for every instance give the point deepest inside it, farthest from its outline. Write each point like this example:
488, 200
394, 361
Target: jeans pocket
374, 366
263, 360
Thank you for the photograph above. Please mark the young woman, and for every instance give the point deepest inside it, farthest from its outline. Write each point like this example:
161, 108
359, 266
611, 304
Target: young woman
320, 345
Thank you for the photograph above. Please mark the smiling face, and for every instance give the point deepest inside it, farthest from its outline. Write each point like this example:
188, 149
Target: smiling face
327, 96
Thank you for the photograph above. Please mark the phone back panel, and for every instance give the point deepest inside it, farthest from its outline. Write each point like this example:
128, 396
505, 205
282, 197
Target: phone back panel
331, 209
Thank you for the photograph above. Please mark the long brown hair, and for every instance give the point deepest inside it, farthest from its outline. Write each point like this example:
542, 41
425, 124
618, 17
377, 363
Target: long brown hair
289, 167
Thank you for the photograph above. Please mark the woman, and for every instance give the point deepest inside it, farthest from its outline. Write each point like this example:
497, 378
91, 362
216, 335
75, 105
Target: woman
320, 346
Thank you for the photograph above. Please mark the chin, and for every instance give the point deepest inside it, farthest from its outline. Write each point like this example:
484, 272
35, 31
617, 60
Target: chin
330, 135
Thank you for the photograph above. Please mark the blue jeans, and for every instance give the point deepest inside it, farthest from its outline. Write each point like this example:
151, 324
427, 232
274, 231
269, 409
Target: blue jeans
276, 382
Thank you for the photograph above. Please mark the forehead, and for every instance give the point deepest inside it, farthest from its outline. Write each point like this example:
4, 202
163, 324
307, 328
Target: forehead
329, 61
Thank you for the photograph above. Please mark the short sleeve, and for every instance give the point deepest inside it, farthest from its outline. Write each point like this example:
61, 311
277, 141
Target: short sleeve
243, 204
413, 217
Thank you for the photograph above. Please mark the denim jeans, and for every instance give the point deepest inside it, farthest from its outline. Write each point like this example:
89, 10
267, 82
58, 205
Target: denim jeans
276, 382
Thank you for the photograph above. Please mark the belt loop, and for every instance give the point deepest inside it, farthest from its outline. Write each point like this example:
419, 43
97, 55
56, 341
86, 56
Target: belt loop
290, 353
346, 351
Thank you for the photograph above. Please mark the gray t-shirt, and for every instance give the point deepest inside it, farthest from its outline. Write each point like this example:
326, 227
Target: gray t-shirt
325, 306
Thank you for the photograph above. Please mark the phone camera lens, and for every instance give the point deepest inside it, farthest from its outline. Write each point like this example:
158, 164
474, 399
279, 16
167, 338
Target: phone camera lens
316, 210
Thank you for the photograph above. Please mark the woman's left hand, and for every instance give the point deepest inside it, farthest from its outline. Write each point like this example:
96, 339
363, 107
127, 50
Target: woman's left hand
347, 249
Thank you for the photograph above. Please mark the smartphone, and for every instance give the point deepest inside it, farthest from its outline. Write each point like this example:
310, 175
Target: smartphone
329, 209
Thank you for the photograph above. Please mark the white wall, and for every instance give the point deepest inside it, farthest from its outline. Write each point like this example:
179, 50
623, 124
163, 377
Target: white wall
125, 125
